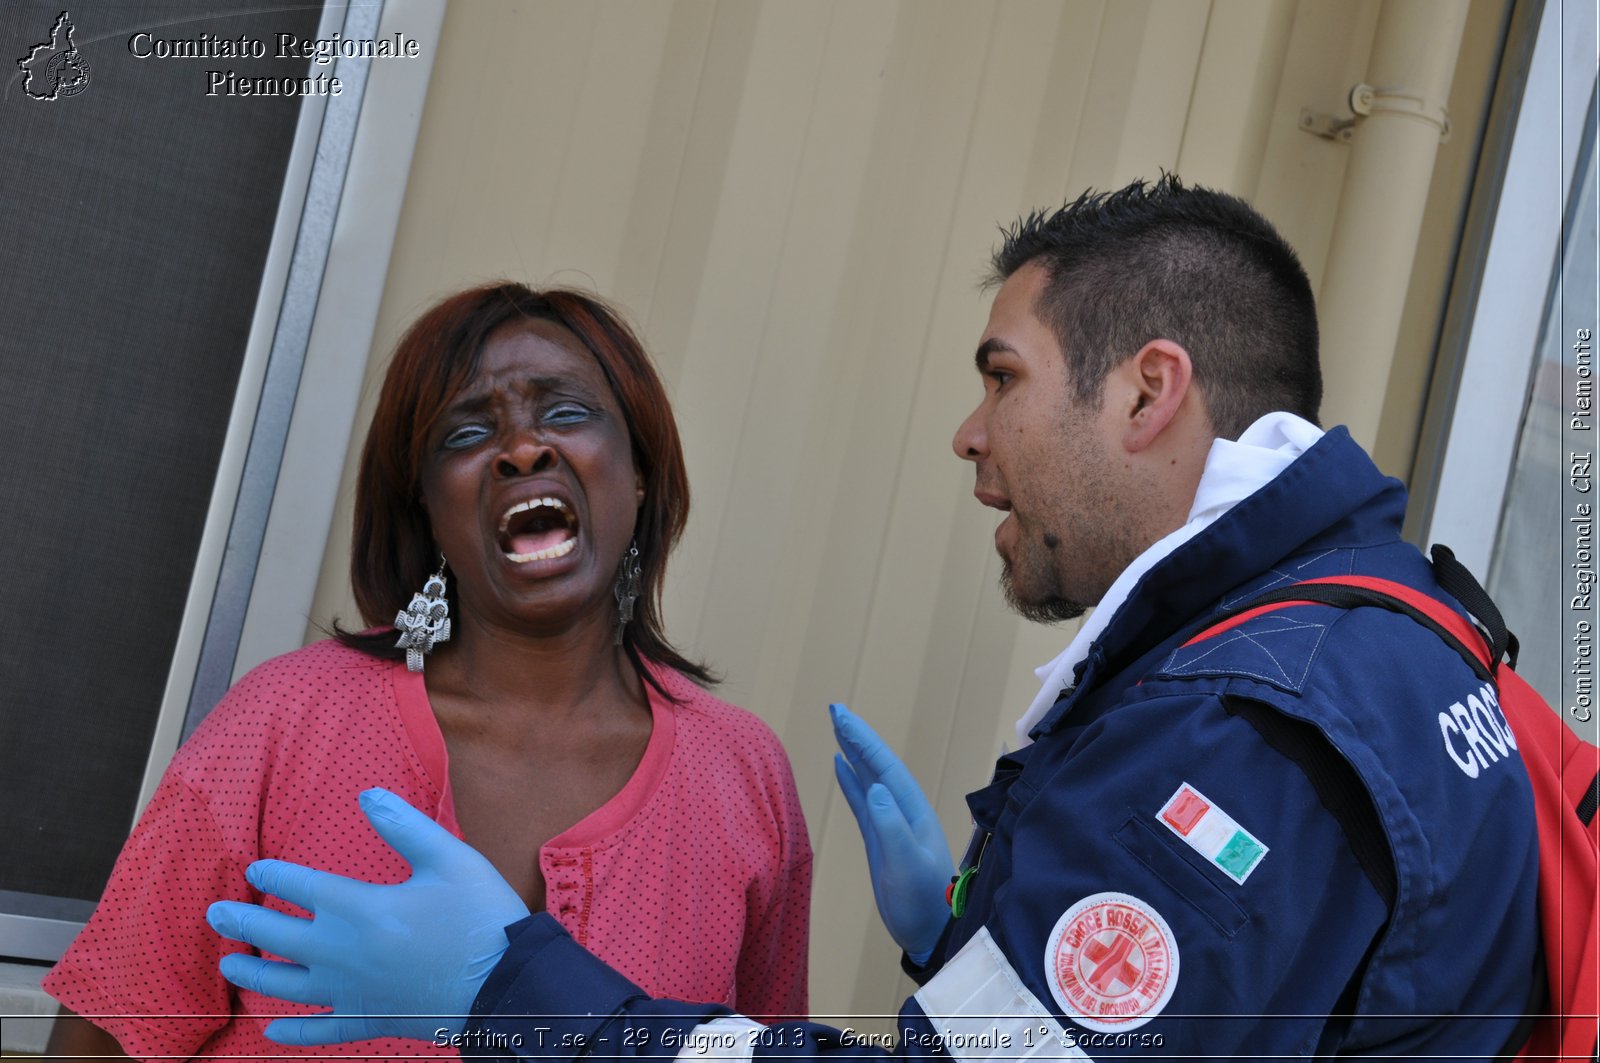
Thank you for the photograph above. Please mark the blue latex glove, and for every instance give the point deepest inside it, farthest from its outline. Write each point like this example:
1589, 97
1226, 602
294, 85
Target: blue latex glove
906, 848
392, 961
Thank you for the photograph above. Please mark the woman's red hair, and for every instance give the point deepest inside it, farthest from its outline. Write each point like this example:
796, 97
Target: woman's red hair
392, 551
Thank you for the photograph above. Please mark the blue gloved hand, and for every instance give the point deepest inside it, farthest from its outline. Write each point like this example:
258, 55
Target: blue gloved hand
906, 848
392, 961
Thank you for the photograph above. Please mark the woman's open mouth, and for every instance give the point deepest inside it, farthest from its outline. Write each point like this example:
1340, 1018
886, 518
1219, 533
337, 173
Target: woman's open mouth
540, 529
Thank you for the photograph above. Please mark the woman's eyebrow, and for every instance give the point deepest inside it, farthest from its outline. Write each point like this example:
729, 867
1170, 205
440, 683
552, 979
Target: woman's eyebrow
482, 397
465, 402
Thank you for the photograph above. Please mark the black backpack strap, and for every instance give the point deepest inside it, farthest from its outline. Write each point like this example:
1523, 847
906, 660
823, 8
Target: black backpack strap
1335, 782
1590, 802
1456, 580
1347, 596
1538, 1001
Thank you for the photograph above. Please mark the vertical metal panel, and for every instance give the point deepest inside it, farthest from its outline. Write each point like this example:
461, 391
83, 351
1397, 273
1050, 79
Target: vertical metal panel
1485, 413
215, 669
347, 302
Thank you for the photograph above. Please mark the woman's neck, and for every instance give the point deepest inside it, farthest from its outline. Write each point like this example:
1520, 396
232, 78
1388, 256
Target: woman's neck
578, 672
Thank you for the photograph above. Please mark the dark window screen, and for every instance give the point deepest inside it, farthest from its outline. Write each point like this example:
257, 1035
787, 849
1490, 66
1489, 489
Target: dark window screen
135, 217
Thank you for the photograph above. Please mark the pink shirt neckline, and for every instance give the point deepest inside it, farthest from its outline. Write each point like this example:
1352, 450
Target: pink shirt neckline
594, 830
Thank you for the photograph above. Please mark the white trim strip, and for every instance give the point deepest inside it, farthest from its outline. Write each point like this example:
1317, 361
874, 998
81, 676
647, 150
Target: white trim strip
981, 1010
730, 1037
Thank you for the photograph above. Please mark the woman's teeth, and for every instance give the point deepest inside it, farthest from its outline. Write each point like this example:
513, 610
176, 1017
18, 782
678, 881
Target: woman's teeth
561, 549
532, 539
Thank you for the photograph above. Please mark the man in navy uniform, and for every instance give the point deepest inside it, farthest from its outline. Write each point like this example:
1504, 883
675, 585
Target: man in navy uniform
1308, 834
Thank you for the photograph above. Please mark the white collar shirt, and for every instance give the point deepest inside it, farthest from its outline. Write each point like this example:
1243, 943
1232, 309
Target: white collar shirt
1234, 470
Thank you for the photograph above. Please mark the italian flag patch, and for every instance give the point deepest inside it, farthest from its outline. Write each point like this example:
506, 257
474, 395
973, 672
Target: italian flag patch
1212, 833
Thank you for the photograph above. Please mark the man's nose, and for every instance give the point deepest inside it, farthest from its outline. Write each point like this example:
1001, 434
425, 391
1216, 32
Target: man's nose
971, 442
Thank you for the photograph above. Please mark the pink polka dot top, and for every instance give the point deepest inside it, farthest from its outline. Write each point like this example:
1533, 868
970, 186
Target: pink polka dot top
694, 880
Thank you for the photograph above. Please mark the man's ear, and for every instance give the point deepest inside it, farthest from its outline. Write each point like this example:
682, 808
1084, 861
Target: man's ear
1161, 376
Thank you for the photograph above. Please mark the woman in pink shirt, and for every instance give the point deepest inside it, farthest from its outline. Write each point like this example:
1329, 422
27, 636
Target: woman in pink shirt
523, 472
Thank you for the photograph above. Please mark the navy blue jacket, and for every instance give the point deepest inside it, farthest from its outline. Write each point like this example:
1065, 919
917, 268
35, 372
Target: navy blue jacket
1309, 834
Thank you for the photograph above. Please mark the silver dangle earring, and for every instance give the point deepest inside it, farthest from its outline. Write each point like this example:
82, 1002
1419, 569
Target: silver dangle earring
626, 589
425, 622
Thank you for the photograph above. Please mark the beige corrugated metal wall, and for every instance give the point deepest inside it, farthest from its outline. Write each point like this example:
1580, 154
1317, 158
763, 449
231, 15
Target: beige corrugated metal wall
793, 201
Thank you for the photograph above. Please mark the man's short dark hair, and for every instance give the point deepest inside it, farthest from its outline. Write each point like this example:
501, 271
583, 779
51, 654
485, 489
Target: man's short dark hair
1191, 265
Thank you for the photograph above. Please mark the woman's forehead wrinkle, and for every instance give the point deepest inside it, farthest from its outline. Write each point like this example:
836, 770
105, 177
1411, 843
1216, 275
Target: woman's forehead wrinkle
479, 391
